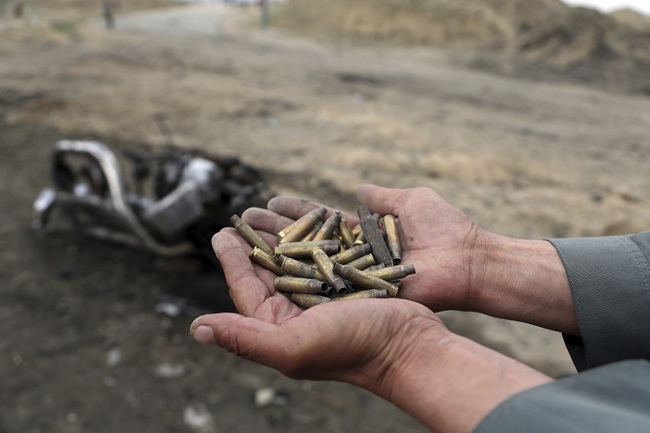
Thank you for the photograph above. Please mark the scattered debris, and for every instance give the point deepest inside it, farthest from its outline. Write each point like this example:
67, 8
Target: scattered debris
264, 397
109, 381
269, 397
113, 357
198, 418
170, 371
187, 305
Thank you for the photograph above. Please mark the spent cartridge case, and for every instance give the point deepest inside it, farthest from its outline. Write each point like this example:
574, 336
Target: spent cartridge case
393, 272
299, 269
374, 236
329, 226
350, 254
247, 232
310, 236
362, 262
392, 237
300, 285
299, 250
360, 239
362, 279
308, 300
304, 225
373, 267
282, 233
278, 258
346, 233
265, 260
325, 265
364, 294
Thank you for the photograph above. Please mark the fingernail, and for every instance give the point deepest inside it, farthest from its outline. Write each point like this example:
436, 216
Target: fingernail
204, 335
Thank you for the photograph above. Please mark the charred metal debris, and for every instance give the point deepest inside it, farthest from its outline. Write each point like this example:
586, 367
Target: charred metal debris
168, 202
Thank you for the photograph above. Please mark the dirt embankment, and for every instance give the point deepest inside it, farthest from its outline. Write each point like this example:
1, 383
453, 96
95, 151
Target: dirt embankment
542, 39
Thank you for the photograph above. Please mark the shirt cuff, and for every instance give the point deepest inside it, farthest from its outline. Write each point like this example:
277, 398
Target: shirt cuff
610, 284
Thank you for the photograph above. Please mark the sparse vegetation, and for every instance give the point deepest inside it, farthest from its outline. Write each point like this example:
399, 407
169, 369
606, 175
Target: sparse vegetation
67, 28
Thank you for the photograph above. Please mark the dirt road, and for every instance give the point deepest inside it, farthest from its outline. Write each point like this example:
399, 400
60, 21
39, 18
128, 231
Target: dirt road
204, 20
83, 348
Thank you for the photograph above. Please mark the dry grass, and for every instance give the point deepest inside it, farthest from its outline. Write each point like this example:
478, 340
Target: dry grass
492, 23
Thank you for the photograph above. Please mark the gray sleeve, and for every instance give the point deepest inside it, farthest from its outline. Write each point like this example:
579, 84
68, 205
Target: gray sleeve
610, 283
612, 398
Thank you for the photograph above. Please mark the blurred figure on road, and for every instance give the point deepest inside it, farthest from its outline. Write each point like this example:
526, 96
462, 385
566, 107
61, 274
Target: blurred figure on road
108, 12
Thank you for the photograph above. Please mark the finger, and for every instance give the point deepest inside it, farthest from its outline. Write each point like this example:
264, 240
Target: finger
266, 220
247, 290
266, 237
381, 200
294, 207
269, 238
291, 207
262, 273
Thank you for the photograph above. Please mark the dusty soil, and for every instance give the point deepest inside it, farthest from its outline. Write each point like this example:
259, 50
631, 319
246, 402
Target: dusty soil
83, 347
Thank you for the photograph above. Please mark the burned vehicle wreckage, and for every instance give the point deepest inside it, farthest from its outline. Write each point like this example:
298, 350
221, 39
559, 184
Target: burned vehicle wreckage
170, 204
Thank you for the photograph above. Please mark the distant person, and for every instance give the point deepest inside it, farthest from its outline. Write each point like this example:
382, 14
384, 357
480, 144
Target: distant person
19, 9
108, 12
596, 291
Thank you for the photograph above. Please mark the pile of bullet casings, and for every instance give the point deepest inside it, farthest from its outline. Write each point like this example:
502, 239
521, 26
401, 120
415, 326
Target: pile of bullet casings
322, 261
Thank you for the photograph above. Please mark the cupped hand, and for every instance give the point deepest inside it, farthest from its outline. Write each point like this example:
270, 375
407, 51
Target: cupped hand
395, 348
436, 237
358, 341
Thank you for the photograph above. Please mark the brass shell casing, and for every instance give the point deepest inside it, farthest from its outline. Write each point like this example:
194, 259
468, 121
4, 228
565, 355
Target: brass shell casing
346, 233
365, 280
362, 262
282, 233
247, 232
299, 269
299, 250
360, 239
310, 236
265, 260
308, 300
300, 285
325, 265
364, 294
328, 227
350, 254
393, 238
304, 225
374, 236
393, 272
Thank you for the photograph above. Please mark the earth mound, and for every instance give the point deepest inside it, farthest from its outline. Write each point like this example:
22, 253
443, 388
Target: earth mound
541, 39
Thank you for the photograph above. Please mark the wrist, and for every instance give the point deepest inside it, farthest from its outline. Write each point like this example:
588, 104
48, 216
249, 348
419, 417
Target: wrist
450, 383
522, 280
417, 339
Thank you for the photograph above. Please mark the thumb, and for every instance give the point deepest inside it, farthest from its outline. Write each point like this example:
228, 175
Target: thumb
243, 336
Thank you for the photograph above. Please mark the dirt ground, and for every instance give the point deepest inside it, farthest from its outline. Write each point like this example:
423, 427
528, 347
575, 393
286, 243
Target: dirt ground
83, 348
